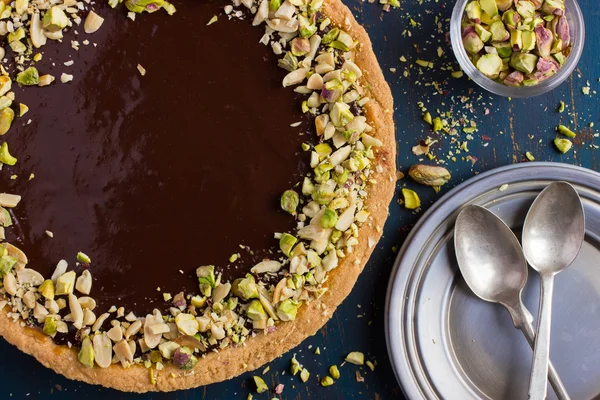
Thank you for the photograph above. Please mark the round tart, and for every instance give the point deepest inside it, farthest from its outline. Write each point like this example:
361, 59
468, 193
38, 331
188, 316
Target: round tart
182, 210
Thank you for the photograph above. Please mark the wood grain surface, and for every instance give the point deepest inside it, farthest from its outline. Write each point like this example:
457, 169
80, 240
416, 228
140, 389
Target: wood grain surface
507, 129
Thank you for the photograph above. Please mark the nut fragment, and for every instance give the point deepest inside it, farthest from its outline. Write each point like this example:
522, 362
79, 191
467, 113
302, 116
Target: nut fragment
76, 311
187, 324
84, 282
93, 22
123, 352
356, 357
429, 175
103, 350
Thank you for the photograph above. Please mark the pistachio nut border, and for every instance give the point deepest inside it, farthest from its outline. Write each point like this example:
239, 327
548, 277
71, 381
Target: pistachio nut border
233, 327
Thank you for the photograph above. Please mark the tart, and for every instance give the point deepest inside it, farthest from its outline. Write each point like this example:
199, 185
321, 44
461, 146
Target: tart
176, 209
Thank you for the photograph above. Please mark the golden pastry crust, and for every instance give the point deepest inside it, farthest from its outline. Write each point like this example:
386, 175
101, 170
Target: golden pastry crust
233, 361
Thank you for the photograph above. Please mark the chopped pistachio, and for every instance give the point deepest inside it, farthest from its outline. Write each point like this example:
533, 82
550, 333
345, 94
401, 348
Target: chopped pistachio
563, 145
356, 357
50, 326
490, 65
411, 199
327, 381
370, 365
28, 77
289, 201
23, 109
55, 19
46, 289
287, 310
561, 107
329, 218
93, 22
334, 372
287, 243
437, 124
6, 118
5, 156
427, 118
529, 156
566, 131
65, 283
295, 366
212, 20
245, 288
83, 258
304, 375
206, 279
184, 358
261, 386
86, 353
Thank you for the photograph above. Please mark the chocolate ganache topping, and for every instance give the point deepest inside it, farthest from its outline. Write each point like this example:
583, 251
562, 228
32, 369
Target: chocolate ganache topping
153, 175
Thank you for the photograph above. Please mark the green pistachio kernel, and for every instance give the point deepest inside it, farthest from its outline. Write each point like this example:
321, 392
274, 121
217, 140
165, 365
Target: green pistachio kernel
287, 310
524, 62
483, 33
566, 131
334, 372
28, 77
256, 312
560, 57
289, 62
139, 6
304, 375
206, 279
261, 386
489, 7
5, 221
306, 28
83, 258
561, 107
473, 10
310, 279
50, 326
526, 9
427, 118
329, 218
16, 35
184, 358
7, 263
5, 84
341, 178
490, 65
5, 157
330, 36
245, 288
6, 12
340, 114
297, 281
529, 40
529, 156
86, 353
65, 283
499, 32
17, 47
323, 150
516, 40
323, 195
55, 19
356, 357
437, 124
295, 366
323, 173
327, 381
274, 5
286, 243
46, 289
289, 201
504, 49
563, 145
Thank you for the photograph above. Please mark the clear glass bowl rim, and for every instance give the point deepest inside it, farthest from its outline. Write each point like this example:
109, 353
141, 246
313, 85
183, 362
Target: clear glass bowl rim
577, 25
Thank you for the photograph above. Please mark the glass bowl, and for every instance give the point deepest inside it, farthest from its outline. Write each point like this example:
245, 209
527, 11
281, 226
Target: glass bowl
577, 28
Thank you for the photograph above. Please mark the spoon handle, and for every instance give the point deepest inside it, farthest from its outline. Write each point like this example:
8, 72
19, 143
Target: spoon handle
541, 351
527, 328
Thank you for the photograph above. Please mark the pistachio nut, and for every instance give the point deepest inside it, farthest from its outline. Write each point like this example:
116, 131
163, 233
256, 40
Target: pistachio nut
411, 199
287, 310
287, 243
327, 381
563, 145
289, 201
6, 118
65, 283
429, 175
566, 131
184, 358
356, 357
261, 386
5, 156
490, 65
55, 19
28, 77
334, 372
245, 288
86, 353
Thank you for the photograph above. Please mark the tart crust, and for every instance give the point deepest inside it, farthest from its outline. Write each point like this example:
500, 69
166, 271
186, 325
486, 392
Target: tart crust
233, 361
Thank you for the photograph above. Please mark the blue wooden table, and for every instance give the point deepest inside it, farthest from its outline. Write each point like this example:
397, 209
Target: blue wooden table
507, 130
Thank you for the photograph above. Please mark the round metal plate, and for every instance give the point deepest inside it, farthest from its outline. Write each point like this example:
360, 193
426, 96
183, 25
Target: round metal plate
445, 343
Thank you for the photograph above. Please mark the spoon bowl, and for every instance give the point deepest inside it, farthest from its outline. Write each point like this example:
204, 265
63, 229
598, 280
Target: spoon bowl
554, 229
489, 255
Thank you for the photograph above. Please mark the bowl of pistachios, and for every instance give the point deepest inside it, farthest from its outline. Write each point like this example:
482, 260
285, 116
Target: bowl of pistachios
517, 48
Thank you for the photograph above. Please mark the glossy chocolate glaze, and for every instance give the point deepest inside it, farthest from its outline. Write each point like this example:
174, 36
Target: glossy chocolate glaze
154, 174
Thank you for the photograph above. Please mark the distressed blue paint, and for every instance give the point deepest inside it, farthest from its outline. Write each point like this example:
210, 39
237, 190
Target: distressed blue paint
22, 376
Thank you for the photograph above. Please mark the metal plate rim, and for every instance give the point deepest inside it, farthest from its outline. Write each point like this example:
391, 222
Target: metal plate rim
402, 281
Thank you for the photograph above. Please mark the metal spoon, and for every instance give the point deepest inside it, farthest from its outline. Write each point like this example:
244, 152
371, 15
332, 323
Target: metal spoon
491, 261
552, 237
